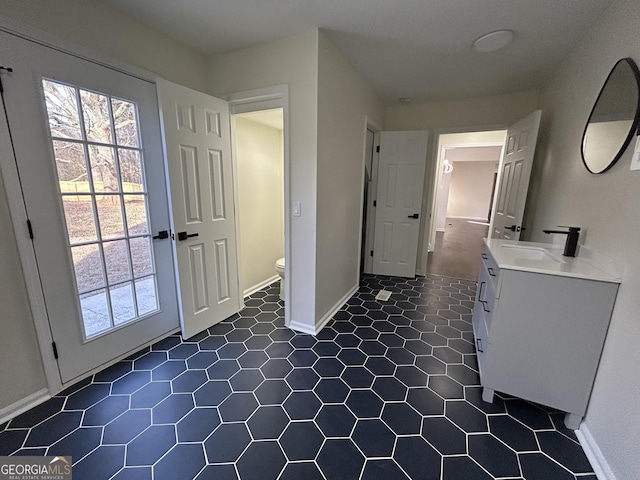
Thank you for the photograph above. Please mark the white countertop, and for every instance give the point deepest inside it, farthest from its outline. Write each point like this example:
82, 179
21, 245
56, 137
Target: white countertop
586, 264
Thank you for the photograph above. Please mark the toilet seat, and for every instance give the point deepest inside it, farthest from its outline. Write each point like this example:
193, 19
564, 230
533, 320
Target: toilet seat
280, 263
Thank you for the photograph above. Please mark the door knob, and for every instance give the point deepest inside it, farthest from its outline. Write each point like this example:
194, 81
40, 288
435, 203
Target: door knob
162, 234
184, 235
415, 215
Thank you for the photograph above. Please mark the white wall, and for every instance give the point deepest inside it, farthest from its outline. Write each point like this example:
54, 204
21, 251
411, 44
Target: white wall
607, 207
499, 110
471, 187
444, 188
260, 164
292, 61
105, 30
343, 102
108, 32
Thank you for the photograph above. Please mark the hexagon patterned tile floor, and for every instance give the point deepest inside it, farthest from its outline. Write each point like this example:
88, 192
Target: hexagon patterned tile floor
387, 390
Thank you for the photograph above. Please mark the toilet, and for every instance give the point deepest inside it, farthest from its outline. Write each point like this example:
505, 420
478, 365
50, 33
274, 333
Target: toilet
280, 271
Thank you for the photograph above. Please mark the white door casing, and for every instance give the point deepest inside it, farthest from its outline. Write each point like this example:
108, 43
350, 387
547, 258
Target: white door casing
371, 176
197, 137
27, 114
401, 166
513, 182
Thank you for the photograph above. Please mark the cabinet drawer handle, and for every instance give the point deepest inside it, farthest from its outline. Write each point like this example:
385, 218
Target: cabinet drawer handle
484, 256
490, 270
480, 292
484, 306
479, 345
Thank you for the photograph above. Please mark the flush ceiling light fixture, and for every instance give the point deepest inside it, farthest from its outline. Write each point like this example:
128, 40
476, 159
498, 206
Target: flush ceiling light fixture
493, 41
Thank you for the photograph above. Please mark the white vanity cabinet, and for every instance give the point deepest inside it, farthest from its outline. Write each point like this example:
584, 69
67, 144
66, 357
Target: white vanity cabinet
540, 327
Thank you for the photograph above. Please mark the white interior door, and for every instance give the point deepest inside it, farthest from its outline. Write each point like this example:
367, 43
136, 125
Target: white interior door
198, 152
401, 166
89, 152
513, 182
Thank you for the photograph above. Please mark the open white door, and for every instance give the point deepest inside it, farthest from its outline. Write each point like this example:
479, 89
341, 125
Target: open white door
401, 168
513, 182
198, 153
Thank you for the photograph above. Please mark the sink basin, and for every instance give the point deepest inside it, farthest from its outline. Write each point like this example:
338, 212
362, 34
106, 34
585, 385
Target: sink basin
536, 254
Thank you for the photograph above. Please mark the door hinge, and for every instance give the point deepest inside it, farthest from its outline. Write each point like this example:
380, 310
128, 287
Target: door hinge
55, 350
372, 253
374, 203
378, 149
30, 228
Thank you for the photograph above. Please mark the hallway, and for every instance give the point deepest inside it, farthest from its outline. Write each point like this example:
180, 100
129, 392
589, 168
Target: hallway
457, 249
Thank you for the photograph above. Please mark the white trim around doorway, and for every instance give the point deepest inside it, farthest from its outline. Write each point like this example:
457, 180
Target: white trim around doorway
369, 125
434, 163
268, 98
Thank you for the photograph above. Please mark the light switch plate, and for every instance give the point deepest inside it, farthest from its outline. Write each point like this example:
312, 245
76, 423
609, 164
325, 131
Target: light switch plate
296, 209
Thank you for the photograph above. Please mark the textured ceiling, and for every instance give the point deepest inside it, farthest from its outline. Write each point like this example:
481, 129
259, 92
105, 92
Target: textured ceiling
420, 49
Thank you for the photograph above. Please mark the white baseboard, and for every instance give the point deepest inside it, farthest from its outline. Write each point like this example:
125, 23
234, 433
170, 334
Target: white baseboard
336, 308
260, 285
315, 329
302, 328
476, 219
24, 404
594, 454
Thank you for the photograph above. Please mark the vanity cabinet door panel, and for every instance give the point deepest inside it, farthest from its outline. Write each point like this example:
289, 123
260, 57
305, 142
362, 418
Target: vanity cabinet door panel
490, 266
486, 298
480, 335
546, 338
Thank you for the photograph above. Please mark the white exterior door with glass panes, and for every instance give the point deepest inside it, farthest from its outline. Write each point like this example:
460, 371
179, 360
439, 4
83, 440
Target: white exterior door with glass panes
89, 152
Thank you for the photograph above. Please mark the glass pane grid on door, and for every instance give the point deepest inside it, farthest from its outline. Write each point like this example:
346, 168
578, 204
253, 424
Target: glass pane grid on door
99, 162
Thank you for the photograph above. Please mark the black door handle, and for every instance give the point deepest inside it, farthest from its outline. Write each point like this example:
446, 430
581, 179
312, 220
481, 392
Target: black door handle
184, 235
415, 215
162, 234
513, 228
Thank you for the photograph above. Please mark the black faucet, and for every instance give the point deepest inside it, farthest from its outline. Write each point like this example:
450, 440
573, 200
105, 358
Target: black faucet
572, 239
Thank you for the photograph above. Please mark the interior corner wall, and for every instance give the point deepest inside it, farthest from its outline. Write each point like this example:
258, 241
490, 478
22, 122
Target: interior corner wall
292, 61
606, 206
494, 110
105, 30
260, 201
344, 100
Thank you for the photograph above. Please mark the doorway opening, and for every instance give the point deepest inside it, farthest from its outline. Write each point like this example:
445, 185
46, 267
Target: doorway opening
368, 194
269, 108
464, 186
259, 160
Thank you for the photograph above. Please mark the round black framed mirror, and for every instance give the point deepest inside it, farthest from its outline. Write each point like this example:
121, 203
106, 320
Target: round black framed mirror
614, 118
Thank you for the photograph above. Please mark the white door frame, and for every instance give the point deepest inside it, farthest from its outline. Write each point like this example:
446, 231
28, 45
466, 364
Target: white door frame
18, 210
430, 196
372, 125
268, 98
